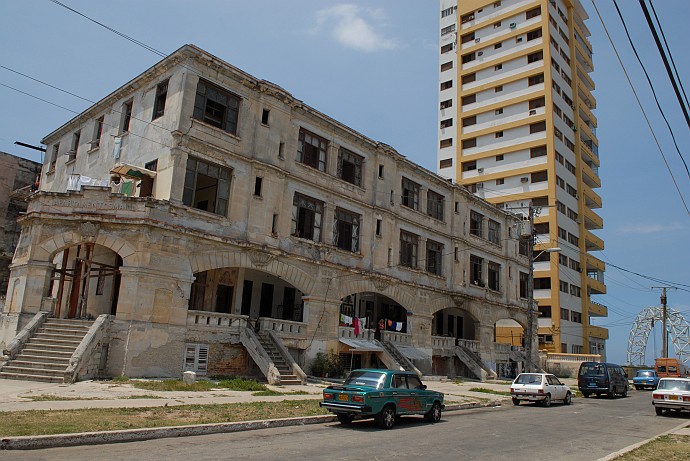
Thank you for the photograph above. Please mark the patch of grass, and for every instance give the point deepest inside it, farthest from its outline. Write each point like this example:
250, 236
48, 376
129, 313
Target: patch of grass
142, 396
269, 392
458, 380
488, 391
666, 448
173, 385
121, 379
55, 398
42, 422
242, 384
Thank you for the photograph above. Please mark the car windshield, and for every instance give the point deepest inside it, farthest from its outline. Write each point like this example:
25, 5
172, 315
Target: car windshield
592, 370
674, 385
366, 378
528, 378
646, 374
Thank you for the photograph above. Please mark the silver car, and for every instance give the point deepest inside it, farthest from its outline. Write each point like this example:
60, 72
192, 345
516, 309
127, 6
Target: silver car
671, 394
539, 387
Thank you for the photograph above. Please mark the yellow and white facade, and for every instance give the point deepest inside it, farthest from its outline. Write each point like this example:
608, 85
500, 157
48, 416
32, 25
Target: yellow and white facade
516, 127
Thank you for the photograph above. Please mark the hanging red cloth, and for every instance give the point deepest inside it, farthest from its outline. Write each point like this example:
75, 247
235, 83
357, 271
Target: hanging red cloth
356, 322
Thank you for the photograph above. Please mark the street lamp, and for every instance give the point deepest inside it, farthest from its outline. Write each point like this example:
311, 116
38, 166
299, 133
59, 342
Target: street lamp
530, 333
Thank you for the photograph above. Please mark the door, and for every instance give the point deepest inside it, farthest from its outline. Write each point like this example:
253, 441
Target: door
266, 301
419, 400
247, 297
555, 388
224, 298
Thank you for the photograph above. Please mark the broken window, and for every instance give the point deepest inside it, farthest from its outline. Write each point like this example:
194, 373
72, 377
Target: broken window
476, 270
346, 230
476, 224
350, 167
494, 274
126, 117
409, 244
410, 194
434, 205
159, 103
72, 154
217, 107
434, 257
206, 186
494, 234
307, 216
97, 132
311, 150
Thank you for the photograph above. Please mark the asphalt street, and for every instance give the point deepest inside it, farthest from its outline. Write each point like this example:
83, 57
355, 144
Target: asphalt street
588, 430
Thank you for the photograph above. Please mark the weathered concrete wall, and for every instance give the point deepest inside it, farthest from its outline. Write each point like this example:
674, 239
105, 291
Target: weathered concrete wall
15, 173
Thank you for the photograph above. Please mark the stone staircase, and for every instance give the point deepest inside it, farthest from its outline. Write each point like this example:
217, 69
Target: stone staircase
45, 356
399, 357
287, 376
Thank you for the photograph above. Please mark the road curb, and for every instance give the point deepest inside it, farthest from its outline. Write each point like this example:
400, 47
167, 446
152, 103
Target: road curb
138, 435
637, 445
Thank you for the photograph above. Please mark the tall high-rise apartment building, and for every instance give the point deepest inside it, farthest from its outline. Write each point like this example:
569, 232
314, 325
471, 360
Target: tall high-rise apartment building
516, 127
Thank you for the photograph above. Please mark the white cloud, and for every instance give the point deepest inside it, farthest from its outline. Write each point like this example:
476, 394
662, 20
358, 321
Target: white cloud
650, 228
353, 27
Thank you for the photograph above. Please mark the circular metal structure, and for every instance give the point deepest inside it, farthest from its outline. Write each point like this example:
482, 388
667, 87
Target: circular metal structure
678, 330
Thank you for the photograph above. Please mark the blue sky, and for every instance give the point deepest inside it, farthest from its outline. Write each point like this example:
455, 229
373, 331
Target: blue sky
373, 66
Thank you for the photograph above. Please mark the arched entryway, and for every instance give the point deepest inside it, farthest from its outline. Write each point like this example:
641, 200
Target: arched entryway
365, 319
508, 347
86, 281
249, 292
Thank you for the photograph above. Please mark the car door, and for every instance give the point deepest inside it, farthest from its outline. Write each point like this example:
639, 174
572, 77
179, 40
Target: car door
401, 394
555, 387
420, 400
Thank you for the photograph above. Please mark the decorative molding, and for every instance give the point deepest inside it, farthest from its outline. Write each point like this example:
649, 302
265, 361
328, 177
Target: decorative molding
89, 232
260, 258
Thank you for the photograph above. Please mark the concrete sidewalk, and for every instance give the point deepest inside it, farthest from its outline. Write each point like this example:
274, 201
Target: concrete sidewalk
27, 395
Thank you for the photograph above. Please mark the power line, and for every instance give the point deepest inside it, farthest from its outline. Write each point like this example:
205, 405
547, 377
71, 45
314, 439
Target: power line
687, 210
668, 50
665, 59
125, 36
649, 80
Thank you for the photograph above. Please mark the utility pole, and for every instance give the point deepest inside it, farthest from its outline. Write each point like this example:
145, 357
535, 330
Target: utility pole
529, 334
664, 317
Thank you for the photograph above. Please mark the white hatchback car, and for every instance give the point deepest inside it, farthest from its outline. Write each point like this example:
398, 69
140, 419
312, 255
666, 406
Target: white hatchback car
539, 387
671, 394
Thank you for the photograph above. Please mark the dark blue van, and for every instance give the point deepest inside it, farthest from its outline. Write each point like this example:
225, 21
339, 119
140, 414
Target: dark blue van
602, 379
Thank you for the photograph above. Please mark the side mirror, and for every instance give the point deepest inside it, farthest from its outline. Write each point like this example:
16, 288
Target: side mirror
423, 387
626, 375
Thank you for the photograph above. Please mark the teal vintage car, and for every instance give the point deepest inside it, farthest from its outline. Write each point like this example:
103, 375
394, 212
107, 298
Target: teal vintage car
383, 395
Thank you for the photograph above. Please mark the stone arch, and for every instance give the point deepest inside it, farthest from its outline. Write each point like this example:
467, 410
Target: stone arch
392, 290
57, 243
258, 260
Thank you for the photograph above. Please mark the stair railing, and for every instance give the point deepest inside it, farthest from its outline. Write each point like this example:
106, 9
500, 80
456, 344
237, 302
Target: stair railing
278, 343
14, 346
80, 360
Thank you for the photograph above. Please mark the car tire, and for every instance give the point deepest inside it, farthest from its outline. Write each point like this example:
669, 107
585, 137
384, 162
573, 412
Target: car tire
516, 401
625, 391
568, 399
434, 415
611, 394
547, 401
585, 394
344, 418
638, 387
659, 411
386, 418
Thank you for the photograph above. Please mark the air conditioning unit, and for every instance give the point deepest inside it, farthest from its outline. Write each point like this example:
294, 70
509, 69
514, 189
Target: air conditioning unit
513, 25
524, 179
518, 39
477, 40
480, 10
480, 170
480, 53
533, 112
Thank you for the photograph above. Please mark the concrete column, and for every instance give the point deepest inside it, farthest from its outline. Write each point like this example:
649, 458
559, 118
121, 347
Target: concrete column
327, 223
27, 286
486, 341
178, 159
419, 326
152, 296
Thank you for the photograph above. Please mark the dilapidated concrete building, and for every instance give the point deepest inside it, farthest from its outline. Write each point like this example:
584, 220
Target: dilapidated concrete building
198, 218
17, 181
